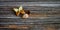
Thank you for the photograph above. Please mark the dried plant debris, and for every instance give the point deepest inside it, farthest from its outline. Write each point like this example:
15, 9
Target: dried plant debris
18, 11
22, 12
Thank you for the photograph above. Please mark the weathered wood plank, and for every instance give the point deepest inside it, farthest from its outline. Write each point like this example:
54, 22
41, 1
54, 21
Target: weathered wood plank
43, 14
27, 0
54, 4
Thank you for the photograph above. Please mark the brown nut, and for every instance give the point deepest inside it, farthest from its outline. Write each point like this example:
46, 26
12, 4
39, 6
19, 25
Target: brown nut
27, 12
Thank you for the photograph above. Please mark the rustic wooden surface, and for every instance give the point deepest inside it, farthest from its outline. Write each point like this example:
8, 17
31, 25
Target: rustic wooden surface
45, 15
27, 0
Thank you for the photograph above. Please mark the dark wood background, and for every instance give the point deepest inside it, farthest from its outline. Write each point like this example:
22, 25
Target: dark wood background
45, 14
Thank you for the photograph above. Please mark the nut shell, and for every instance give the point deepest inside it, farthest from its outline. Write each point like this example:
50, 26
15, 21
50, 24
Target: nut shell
25, 16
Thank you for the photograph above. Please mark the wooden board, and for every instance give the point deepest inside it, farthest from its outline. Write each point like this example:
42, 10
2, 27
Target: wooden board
44, 15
